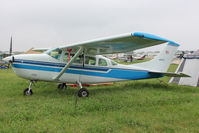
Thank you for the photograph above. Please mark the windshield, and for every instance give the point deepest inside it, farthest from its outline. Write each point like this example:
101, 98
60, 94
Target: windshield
55, 53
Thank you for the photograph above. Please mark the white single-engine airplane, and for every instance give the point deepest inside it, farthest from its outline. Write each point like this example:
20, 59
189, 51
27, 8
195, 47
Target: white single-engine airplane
81, 63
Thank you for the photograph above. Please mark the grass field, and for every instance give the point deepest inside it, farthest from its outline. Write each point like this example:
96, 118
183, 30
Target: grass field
135, 106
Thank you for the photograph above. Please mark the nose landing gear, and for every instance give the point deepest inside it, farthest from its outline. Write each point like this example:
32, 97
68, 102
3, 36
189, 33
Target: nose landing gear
28, 91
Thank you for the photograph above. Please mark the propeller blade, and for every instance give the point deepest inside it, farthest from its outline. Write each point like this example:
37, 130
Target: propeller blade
11, 46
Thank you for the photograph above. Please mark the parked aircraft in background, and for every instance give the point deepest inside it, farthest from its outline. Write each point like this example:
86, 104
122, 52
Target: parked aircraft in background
139, 58
82, 63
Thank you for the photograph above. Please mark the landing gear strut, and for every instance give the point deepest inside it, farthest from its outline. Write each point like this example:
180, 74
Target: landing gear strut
62, 86
28, 91
83, 92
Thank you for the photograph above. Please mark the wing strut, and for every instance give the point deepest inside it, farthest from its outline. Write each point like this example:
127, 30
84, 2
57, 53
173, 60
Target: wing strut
69, 63
83, 59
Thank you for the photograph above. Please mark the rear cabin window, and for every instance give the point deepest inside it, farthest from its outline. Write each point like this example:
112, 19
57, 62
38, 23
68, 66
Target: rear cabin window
90, 60
113, 63
102, 62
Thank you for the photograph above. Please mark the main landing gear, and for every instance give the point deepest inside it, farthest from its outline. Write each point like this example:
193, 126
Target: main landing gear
28, 91
83, 92
62, 86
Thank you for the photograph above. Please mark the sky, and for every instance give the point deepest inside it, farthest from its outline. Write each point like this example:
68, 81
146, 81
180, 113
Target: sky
53, 23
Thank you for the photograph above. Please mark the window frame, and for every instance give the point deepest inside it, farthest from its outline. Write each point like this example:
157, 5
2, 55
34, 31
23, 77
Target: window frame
87, 56
104, 60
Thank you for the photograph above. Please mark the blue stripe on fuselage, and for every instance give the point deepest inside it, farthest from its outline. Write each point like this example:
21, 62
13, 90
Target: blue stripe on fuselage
60, 65
113, 73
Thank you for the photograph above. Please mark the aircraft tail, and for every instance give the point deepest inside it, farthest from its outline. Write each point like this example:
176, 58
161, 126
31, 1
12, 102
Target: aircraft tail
162, 61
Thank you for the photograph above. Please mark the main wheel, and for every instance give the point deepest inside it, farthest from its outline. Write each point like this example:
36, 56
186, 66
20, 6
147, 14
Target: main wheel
62, 86
83, 92
27, 92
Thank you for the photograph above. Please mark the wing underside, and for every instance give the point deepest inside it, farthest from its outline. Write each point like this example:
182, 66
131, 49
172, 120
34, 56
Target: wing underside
119, 44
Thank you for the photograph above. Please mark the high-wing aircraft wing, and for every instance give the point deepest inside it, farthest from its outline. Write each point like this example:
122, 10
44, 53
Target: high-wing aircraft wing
119, 44
110, 45
40, 49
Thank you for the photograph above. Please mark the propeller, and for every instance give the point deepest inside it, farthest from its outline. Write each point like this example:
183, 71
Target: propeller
10, 59
11, 46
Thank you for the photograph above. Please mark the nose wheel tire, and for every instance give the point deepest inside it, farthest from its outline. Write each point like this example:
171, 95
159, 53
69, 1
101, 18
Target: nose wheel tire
83, 92
28, 92
62, 86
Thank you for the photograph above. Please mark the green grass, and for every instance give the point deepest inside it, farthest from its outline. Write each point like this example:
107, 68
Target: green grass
133, 106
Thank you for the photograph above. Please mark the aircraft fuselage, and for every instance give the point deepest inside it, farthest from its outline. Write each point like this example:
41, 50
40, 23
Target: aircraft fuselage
42, 67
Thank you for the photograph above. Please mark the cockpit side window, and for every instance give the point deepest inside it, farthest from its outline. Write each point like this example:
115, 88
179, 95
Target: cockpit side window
79, 60
55, 53
65, 57
102, 62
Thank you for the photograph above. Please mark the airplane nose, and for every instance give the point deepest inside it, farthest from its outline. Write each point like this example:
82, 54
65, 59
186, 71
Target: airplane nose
8, 59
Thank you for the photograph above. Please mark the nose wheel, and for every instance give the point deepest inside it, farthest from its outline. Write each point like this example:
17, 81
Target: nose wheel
28, 91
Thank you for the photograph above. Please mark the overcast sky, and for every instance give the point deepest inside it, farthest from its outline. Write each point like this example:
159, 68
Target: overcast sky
51, 23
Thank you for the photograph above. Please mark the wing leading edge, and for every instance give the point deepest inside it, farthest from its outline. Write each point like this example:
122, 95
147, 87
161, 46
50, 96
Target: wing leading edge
120, 44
